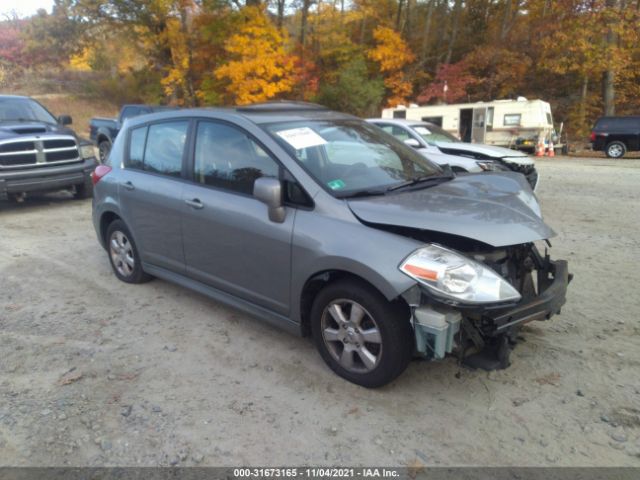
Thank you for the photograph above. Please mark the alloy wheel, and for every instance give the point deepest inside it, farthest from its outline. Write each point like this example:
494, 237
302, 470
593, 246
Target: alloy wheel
615, 151
351, 336
121, 252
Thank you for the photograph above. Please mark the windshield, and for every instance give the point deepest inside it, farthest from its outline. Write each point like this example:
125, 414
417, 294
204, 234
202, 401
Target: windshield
433, 134
350, 156
24, 109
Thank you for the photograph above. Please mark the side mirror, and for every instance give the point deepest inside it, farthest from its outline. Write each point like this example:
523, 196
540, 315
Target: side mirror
412, 142
269, 191
65, 120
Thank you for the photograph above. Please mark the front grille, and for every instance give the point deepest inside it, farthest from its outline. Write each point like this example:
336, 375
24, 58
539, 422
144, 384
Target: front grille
18, 159
61, 155
59, 143
59, 150
16, 153
17, 147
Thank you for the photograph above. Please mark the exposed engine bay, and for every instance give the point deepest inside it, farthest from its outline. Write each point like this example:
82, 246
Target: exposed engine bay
482, 336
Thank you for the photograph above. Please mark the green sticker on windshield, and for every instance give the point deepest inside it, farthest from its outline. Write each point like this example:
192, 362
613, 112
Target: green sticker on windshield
336, 184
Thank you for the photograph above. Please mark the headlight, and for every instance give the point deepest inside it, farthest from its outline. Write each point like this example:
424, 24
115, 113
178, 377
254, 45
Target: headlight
487, 166
87, 151
491, 166
453, 276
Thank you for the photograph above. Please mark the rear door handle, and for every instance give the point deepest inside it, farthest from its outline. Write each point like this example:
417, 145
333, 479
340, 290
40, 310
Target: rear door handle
195, 203
128, 185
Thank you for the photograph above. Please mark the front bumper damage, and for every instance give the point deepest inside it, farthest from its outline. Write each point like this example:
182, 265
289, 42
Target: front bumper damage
482, 336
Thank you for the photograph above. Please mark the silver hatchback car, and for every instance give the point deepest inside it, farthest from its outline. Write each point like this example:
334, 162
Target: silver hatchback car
324, 225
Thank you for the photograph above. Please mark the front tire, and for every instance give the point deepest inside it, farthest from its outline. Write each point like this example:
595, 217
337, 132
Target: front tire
361, 336
123, 254
616, 149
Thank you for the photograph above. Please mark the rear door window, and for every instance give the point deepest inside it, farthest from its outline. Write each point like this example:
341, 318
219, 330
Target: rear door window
158, 148
398, 132
129, 112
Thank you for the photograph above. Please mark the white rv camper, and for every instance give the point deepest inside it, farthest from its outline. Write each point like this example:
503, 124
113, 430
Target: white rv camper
519, 124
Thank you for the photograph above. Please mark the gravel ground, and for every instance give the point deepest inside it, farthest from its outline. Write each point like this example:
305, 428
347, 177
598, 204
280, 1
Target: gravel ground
95, 372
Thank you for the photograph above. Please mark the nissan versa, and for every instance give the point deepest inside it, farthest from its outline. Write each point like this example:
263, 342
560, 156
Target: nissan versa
327, 226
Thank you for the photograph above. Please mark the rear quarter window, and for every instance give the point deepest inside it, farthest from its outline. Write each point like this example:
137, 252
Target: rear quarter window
136, 147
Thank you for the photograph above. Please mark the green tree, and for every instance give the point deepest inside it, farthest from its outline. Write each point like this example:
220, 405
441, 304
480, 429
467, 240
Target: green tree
353, 91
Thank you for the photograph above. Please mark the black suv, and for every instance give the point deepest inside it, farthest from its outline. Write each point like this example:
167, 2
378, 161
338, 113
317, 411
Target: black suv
616, 135
38, 152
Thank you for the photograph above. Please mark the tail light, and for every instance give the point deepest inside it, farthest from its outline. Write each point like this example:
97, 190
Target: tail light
593, 136
99, 172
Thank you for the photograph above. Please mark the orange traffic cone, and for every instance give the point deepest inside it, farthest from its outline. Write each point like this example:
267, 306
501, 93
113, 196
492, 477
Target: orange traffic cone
551, 152
540, 149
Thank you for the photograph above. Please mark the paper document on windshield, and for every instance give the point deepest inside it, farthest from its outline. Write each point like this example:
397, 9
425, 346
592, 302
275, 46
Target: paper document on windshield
300, 138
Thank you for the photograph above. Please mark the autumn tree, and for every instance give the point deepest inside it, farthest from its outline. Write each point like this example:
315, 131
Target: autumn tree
392, 54
574, 45
259, 67
11, 42
50, 39
450, 84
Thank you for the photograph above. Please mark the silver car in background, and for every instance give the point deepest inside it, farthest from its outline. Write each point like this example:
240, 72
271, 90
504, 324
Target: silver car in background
443, 148
324, 225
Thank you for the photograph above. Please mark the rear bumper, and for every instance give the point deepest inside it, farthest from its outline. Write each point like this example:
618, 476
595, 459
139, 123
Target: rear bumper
45, 178
553, 284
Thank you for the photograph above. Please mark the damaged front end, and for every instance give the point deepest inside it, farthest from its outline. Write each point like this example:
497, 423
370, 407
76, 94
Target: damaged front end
525, 285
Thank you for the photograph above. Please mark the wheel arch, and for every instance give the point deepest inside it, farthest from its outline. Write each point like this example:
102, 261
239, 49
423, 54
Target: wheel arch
106, 219
103, 136
316, 282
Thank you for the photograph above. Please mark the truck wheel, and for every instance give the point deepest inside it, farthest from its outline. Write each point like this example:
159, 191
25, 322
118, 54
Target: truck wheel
616, 149
84, 189
123, 254
104, 147
361, 336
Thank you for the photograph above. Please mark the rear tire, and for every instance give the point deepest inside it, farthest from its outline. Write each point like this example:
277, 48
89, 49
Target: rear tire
123, 254
361, 336
104, 147
85, 189
616, 149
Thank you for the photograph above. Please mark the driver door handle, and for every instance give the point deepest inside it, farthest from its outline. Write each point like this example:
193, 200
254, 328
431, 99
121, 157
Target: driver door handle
128, 185
195, 203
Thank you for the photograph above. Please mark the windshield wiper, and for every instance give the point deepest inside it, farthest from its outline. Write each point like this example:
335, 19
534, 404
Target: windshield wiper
435, 179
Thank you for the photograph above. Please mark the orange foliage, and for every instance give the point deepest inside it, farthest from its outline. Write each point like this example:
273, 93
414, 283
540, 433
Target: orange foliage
259, 66
392, 54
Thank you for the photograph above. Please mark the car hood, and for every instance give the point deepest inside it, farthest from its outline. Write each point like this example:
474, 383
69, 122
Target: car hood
498, 209
492, 151
10, 130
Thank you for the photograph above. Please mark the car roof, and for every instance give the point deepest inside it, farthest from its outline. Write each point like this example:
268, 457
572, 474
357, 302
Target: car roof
15, 96
399, 121
259, 113
145, 105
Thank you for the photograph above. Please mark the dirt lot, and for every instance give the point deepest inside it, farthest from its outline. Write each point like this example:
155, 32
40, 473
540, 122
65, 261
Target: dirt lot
94, 372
